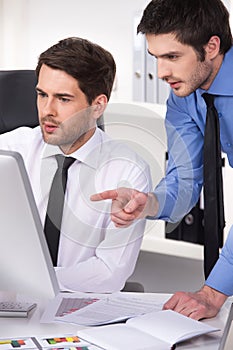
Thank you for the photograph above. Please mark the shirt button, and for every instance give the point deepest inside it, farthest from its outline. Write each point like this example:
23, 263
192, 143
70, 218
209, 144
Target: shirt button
220, 115
228, 144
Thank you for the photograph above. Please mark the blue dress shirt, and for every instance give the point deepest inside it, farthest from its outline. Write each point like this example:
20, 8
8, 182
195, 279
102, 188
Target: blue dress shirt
221, 277
180, 189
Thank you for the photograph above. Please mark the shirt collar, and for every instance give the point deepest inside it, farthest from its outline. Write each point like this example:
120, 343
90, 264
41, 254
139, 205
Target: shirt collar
222, 84
87, 154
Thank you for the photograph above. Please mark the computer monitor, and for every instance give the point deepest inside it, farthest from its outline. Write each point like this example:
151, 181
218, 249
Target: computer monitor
227, 338
25, 264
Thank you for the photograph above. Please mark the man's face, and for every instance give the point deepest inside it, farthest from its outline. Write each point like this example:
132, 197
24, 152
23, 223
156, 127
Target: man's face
64, 113
179, 65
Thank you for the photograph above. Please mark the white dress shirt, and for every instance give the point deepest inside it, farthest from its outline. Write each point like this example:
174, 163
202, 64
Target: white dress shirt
94, 255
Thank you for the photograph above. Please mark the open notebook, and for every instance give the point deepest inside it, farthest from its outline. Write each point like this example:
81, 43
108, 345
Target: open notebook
159, 330
25, 263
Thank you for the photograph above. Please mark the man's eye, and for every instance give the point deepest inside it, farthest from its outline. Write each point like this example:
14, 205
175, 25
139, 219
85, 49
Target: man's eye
64, 99
41, 94
172, 57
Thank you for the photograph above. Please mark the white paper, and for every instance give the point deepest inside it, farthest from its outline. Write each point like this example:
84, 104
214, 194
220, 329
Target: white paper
112, 309
156, 330
119, 337
53, 307
60, 341
25, 343
170, 326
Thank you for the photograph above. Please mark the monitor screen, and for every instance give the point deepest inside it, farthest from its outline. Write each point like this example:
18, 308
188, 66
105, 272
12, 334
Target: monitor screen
227, 338
25, 263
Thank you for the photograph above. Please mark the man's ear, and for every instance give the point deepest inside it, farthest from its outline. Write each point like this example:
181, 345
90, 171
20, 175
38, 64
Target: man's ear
212, 48
99, 105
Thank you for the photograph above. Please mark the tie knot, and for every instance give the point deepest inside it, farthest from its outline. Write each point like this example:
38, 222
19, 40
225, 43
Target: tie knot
64, 162
209, 99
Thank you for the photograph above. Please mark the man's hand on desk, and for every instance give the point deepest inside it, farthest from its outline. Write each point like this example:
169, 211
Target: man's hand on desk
128, 204
205, 303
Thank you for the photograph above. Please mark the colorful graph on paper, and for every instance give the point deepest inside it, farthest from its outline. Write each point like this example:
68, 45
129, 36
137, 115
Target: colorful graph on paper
69, 305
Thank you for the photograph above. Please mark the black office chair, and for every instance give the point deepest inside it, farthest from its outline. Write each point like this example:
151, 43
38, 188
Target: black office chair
133, 287
18, 100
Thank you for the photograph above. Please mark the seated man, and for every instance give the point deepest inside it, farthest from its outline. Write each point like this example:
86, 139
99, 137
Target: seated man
75, 79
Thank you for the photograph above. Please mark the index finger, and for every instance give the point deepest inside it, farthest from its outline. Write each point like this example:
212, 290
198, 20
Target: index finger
171, 303
110, 194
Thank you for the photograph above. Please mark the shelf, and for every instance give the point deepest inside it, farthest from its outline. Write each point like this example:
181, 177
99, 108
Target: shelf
154, 241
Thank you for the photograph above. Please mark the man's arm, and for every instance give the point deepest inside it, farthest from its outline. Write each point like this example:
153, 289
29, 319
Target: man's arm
129, 204
205, 303
219, 285
106, 268
179, 190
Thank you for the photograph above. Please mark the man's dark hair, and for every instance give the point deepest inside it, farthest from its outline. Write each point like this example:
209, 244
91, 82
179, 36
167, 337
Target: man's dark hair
92, 66
193, 22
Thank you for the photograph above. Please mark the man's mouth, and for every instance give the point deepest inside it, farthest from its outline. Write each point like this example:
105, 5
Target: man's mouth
49, 127
174, 84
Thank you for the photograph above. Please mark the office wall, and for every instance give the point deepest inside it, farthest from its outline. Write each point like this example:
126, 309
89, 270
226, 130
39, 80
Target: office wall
28, 27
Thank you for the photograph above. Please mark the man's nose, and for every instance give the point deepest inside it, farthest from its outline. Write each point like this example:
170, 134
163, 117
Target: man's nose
163, 70
48, 107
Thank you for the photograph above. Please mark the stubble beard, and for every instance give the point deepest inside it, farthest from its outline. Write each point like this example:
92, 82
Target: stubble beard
66, 136
198, 79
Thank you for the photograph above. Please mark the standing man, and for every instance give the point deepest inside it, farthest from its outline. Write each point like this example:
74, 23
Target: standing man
192, 42
75, 79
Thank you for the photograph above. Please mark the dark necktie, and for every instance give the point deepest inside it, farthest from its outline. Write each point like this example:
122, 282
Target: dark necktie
214, 221
54, 213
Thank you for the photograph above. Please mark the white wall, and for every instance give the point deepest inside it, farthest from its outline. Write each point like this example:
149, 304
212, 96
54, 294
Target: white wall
28, 27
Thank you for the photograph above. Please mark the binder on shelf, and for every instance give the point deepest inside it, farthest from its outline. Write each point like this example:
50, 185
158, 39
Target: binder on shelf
139, 49
151, 79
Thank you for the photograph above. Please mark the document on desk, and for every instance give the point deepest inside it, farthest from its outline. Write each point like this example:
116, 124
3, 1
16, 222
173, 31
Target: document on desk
159, 330
48, 342
63, 342
22, 343
110, 310
67, 303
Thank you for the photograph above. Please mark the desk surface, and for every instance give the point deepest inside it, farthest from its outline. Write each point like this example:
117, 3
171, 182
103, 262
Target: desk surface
31, 326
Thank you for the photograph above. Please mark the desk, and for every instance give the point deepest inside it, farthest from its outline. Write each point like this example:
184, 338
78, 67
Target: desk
31, 326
